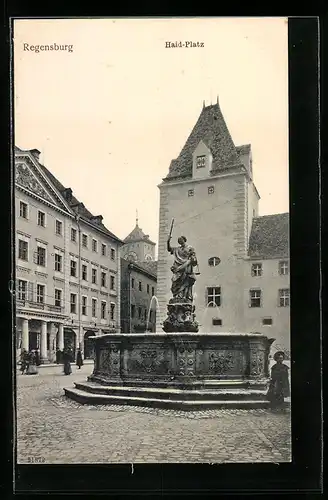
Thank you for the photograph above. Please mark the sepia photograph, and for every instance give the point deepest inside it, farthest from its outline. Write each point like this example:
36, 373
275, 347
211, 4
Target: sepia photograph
152, 271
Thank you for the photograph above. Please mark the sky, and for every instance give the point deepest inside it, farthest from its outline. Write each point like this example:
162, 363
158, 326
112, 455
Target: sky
110, 115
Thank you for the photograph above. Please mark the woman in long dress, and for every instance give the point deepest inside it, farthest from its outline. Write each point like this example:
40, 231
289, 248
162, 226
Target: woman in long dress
279, 382
67, 357
32, 368
183, 277
79, 360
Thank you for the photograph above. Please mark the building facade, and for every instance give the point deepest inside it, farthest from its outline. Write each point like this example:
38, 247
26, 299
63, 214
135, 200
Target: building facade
243, 258
138, 287
67, 265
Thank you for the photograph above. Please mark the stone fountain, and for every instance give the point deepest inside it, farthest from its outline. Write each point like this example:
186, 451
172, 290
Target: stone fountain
179, 367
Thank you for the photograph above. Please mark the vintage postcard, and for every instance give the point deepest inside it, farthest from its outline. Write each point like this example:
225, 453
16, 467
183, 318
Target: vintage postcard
152, 285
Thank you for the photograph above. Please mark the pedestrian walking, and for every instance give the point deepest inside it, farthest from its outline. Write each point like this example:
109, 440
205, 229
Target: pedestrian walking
79, 359
58, 356
37, 357
67, 358
23, 361
279, 382
32, 368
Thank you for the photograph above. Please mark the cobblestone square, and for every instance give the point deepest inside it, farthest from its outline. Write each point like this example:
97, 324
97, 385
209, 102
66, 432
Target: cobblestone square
52, 429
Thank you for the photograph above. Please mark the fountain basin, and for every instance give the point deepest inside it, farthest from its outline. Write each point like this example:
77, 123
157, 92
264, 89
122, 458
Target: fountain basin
184, 370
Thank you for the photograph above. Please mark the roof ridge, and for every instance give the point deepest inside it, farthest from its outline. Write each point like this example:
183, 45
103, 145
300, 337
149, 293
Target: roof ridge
85, 213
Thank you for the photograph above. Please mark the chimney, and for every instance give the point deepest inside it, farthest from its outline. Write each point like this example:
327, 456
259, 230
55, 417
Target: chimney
97, 219
36, 153
67, 193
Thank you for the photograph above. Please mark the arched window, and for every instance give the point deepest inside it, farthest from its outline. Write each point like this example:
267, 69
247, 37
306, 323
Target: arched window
214, 261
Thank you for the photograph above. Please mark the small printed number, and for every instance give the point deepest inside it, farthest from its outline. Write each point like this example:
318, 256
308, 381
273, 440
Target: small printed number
36, 460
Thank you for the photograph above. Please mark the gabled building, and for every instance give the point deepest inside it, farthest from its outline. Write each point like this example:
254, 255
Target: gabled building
138, 287
138, 283
243, 258
67, 264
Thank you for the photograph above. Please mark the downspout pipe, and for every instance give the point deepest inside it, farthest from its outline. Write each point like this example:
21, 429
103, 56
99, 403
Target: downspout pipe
77, 219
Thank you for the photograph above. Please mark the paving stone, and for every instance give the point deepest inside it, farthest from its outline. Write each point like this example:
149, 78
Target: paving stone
58, 430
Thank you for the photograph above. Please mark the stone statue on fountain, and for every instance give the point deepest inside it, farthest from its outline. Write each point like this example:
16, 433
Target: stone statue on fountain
181, 310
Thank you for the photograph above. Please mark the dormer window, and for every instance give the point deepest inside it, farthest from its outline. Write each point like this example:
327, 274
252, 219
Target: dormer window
200, 161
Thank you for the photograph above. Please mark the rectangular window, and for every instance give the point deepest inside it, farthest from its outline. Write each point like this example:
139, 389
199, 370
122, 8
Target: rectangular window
103, 249
58, 297
22, 289
84, 272
190, 192
133, 310
73, 268
84, 306
148, 288
200, 162
73, 234
210, 189
94, 308
103, 279
41, 218
217, 322
132, 282
112, 312
94, 246
40, 294
140, 286
94, 275
103, 310
214, 296
267, 321
59, 227
283, 268
112, 282
41, 256
152, 291
257, 269
73, 303
23, 210
139, 312
255, 297
58, 262
22, 250
284, 297
112, 253
84, 240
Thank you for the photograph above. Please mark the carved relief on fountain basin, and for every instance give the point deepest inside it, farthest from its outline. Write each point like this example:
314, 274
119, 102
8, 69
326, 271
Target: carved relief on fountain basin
108, 360
152, 360
221, 363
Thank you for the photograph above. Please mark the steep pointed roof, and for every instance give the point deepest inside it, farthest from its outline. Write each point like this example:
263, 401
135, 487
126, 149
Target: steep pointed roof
137, 234
212, 129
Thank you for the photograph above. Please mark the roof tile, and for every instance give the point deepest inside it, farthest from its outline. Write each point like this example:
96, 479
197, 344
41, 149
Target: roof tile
269, 237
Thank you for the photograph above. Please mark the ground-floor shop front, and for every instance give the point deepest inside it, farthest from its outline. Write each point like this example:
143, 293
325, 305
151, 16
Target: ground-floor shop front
50, 335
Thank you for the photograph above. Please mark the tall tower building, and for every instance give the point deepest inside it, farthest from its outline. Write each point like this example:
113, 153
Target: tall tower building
210, 193
137, 246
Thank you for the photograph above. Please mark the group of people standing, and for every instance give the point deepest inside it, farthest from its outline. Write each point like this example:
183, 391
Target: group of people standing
29, 361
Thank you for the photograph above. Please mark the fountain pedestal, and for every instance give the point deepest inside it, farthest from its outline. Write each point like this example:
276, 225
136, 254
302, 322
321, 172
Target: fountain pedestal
184, 370
181, 317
